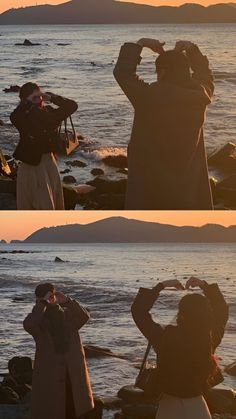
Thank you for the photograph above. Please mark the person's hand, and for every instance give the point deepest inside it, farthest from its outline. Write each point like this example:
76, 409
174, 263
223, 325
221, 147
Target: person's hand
153, 44
49, 298
47, 97
61, 298
181, 46
173, 283
194, 282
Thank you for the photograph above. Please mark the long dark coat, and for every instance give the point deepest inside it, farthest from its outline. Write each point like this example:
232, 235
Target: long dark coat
50, 369
167, 166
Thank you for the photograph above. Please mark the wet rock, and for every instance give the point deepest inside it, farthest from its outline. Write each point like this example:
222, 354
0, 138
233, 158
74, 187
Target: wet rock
97, 172
12, 89
111, 403
111, 201
63, 172
231, 369
69, 179
226, 191
70, 197
97, 412
7, 201
17, 299
19, 411
220, 400
123, 171
27, 43
131, 394
76, 163
59, 260
120, 161
105, 185
8, 396
21, 369
225, 158
7, 186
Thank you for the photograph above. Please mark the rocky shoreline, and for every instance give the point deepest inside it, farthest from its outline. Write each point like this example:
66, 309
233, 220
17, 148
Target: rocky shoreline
107, 186
130, 402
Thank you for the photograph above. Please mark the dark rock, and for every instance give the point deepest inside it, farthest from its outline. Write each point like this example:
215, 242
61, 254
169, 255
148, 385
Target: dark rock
7, 186
8, 396
120, 161
123, 171
111, 201
220, 400
97, 412
63, 45
70, 198
63, 172
27, 43
231, 369
1, 122
105, 185
131, 394
225, 158
57, 259
17, 299
226, 190
111, 403
21, 369
21, 389
140, 411
12, 89
7, 201
76, 163
97, 172
69, 179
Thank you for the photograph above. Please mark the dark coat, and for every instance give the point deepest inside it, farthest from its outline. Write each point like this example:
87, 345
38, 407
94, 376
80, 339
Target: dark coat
51, 369
39, 128
167, 166
176, 377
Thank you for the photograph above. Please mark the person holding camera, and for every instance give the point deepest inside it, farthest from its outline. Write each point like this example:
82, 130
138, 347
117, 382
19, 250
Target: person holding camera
186, 365
38, 179
167, 165
61, 386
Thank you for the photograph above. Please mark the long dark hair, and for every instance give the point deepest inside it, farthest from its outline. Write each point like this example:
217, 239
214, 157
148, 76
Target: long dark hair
175, 66
195, 322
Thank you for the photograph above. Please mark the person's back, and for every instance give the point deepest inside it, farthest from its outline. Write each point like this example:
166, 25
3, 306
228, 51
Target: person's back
166, 155
186, 365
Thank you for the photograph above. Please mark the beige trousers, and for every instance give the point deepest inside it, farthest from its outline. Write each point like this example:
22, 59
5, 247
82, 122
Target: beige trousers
175, 408
39, 187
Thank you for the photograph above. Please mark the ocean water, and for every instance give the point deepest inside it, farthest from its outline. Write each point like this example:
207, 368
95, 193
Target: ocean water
105, 279
82, 70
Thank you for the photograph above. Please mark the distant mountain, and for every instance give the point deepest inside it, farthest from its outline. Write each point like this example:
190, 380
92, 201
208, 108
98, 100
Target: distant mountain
113, 11
122, 230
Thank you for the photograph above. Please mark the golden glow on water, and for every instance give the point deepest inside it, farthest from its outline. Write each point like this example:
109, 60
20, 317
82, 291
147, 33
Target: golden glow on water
18, 225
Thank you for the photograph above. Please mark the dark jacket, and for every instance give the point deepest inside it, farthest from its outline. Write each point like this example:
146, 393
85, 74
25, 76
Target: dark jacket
38, 128
166, 154
176, 378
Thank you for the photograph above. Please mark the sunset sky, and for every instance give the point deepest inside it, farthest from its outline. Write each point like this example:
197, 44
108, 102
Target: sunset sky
7, 4
19, 225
